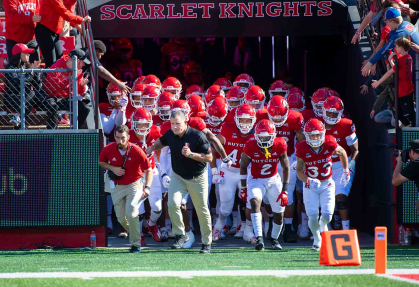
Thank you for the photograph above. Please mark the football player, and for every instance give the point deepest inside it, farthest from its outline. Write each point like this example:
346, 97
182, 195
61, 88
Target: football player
149, 98
144, 134
255, 97
296, 101
289, 125
244, 81
152, 80
314, 169
235, 98
195, 90
233, 137
278, 88
317, 101
130, 69
264, 183
197, 105
172, 85
213, 92
224, 84
343, 129
135, 95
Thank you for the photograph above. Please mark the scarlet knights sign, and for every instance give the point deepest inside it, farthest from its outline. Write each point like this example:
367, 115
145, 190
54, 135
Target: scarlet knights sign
165, 19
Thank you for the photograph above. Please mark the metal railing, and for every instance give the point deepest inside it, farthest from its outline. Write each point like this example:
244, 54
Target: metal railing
31, 94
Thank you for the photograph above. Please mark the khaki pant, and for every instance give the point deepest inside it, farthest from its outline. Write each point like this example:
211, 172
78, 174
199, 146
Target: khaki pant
127, 213
198, 190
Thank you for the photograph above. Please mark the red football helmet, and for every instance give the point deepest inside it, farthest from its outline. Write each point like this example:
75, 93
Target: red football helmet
246, 112
149, 97
265, 133
278, 110
255, 97
296, 101
139, 80
164, 103
314, 127
244, 81
223, 83
334, 93
318, 99
194, 90
197, 105
114, 94
191, 67
142, 121
279, 88
152, 80
124, 48
217, 111
135, 95
182, 105
295, 90
332, 106
235, 97
172, 85
213, 92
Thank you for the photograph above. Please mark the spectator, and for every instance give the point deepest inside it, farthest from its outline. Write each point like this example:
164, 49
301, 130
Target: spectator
21, 19
386, 116
47, 31
399, 28
57, 87
242, 56
12, 100
405, 89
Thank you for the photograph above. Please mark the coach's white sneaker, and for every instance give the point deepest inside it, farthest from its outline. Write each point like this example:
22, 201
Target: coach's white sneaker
188, 244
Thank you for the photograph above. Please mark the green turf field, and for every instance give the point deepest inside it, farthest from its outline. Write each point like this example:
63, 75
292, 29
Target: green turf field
104, 259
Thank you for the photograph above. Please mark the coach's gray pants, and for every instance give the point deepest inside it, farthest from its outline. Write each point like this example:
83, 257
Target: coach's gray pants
198, 191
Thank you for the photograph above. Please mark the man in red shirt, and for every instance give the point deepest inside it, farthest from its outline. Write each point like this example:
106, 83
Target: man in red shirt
129, 162
57, 87
21, 19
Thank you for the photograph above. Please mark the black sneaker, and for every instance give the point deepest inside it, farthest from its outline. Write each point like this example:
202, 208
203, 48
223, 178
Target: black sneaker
289, 235
275, 244
260, 246
135, 249
179, 240
206, 249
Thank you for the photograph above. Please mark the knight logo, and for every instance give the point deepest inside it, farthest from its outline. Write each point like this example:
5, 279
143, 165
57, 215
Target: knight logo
335, 132
256, 154
114, 159
274, 153
234, 136
308, 155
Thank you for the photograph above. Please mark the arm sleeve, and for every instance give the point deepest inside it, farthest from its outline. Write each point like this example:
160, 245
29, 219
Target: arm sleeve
383, 51
411, 171
108, 123
203, 146
121, 118
11, 10
165, 165
65, 13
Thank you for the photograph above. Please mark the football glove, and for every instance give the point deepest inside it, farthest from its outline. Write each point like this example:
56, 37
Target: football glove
166, 181
352, 164
243, 194
283, 197
313, 183
346, 177
226, 163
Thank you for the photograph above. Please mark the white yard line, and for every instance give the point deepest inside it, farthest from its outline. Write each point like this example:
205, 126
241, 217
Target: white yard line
400, 278
200, 273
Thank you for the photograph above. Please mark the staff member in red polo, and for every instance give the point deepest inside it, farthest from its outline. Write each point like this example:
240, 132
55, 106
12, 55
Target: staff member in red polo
128, 192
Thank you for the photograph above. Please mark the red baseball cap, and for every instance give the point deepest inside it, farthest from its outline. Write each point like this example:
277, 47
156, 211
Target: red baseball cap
21, 48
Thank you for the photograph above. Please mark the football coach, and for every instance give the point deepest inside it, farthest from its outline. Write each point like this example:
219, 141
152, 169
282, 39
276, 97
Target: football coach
190, 152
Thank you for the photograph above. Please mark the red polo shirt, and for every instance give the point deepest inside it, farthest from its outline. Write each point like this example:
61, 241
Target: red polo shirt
137, 162
405, 75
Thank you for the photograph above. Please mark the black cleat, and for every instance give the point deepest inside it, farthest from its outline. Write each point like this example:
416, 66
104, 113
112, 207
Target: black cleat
206, 249
275, 244
289, 235
179, 240
135, 249
260, 246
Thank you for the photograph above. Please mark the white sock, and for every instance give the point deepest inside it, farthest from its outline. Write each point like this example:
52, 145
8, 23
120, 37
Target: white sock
236, 218
313, 223
249, 224
257, 223
153, 218
276, 229
221, 221
168, 223
345, 224
304, 219
288, 220
324, 220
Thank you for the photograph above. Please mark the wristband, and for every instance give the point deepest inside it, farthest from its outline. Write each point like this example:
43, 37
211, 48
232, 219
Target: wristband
214, 170
285, 187
346, 170
358, 33
146, 186
190, 155
163, 175
243, 176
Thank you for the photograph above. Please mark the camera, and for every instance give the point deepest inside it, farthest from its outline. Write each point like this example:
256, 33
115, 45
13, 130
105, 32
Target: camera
403, 153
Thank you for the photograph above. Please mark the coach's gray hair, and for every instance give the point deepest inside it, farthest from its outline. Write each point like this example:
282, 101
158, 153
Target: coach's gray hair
178, 113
